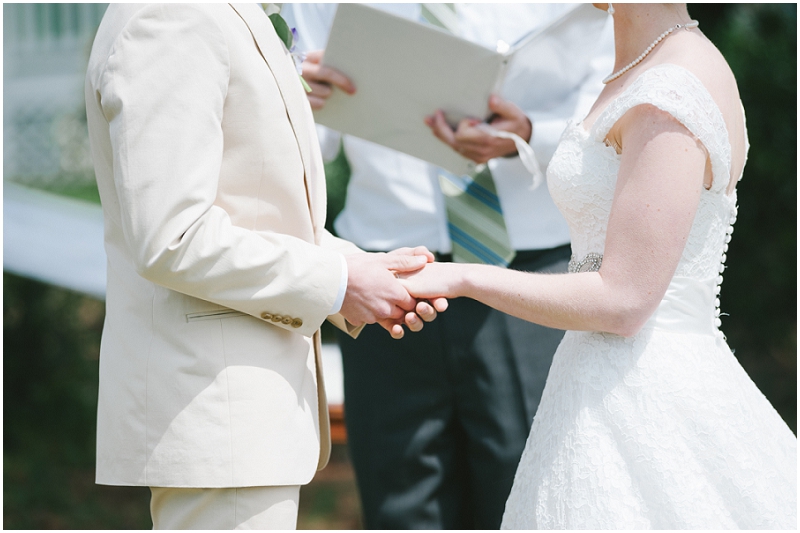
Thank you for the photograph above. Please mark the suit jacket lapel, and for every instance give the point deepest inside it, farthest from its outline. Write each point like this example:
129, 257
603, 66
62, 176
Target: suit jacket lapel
298, 109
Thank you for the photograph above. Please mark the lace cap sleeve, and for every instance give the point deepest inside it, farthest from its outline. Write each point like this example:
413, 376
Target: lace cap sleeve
677, 91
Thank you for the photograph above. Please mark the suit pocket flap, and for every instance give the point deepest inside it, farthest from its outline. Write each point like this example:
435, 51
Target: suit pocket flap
216, 314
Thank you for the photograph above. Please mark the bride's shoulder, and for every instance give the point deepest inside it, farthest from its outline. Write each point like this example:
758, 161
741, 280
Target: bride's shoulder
695, 53
698, 55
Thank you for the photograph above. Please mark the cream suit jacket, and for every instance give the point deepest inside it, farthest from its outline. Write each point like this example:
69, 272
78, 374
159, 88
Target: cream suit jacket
220, 272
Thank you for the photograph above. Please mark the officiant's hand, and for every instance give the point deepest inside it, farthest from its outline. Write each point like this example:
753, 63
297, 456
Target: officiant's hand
476, 144
323, 79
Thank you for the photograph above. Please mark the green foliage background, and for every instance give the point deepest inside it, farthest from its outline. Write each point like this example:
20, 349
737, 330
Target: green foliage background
51, 336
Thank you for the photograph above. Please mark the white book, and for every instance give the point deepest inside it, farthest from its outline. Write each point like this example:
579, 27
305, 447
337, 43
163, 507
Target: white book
404, 71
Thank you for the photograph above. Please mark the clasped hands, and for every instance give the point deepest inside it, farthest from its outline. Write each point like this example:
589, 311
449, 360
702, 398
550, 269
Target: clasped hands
375, 293
379, 287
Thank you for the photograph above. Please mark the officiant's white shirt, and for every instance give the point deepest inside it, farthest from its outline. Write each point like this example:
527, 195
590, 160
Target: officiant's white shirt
394, 200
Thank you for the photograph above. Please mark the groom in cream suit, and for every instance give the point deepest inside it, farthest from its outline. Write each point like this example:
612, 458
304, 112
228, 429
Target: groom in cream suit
220, 272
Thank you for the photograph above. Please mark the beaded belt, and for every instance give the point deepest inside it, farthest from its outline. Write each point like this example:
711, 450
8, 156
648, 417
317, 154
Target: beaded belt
590, 263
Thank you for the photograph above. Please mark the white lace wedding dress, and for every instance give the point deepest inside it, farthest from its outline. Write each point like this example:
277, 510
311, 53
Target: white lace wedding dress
664, 429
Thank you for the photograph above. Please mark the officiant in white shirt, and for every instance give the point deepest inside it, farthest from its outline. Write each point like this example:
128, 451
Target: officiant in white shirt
437, 421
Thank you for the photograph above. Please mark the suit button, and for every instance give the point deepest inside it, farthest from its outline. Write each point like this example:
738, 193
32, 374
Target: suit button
277, 318
287, 320
297, 322
266, 316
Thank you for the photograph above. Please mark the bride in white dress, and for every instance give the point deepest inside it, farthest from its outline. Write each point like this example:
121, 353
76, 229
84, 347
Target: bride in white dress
647, 419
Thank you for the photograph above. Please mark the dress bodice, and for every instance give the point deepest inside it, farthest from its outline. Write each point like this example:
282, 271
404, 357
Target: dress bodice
582, 176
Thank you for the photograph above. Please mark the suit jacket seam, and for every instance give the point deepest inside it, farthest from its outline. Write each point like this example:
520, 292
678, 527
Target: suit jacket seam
147, 386
228, 402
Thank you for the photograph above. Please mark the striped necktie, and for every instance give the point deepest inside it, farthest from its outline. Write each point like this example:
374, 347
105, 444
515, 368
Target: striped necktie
474, 217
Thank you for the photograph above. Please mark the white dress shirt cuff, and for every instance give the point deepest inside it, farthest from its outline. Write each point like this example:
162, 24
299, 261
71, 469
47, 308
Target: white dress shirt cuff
337, 305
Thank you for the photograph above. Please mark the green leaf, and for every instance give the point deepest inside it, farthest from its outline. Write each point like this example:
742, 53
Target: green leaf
282, 29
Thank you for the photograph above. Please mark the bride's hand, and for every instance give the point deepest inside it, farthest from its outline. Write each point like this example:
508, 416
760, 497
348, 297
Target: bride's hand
425, 310
436, 280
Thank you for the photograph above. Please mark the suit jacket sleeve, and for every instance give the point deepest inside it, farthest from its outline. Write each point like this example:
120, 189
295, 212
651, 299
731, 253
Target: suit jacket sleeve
344, 247
163, 92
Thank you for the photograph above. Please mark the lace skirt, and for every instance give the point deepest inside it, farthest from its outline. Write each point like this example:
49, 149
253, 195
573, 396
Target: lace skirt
663, 430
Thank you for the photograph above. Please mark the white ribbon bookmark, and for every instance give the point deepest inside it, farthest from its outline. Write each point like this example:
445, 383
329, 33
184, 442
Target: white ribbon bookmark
526, 154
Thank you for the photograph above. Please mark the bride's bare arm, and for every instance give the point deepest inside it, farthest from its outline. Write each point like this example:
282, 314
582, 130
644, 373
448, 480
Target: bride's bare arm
660, 180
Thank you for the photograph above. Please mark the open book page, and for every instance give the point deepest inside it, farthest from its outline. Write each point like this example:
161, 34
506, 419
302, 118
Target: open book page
405, 71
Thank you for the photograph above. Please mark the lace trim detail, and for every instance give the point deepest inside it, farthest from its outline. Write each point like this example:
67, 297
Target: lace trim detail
677, 91
590, 263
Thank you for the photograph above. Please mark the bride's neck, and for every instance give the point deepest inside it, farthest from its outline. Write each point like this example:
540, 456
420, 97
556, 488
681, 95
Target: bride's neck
636, 26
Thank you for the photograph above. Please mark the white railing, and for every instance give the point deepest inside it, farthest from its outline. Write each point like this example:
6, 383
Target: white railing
45, 52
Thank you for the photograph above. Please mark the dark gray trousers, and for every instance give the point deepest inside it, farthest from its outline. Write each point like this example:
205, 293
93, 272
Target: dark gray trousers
437, 421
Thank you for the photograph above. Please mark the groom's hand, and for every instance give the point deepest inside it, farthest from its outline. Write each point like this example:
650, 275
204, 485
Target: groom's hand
476, 144
322, 79
374, 294
426, 310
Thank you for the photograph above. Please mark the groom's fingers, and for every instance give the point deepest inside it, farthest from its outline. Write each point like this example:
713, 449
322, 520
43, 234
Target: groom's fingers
423, 250
394, 329
419, 250
404, 263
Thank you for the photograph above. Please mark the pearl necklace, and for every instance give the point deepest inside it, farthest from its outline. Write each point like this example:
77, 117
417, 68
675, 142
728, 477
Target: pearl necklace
688, 26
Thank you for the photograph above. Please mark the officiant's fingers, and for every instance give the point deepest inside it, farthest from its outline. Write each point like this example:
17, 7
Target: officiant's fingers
478, 145
441, 129
316, 73
334, 77
321, 90
315, 56
316, 102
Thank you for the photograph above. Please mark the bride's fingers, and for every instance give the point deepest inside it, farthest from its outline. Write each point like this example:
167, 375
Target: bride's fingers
413, 322
440, 304
425, 311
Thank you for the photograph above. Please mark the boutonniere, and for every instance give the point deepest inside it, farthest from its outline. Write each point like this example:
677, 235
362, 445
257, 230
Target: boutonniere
288, 36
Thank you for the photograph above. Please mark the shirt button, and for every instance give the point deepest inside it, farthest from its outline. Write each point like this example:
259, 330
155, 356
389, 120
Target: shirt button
266, 316
297, 322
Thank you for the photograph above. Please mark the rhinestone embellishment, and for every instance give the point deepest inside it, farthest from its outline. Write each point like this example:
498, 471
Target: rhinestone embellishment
590, 263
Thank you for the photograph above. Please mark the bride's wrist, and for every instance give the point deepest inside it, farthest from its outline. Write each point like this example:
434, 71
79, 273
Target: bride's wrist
466, 279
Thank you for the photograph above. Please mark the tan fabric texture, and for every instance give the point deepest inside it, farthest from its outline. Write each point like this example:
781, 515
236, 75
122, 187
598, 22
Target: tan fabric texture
220, 271
225, 509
